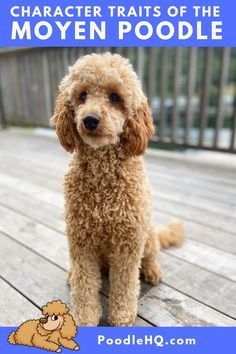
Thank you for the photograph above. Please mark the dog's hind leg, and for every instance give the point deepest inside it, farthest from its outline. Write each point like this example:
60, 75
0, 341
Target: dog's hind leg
162, 236
172, 234
150, 267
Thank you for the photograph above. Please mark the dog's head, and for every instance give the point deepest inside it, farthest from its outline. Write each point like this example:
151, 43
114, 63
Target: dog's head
57, 318
101, 102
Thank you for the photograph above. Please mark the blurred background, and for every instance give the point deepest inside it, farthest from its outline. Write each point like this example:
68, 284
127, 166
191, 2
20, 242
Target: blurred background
192, 91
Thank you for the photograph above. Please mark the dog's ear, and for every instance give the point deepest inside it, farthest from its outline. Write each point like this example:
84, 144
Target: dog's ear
138, 130
68, 330
63, 120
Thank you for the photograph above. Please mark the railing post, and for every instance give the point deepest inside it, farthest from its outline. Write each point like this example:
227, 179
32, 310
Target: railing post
163, 84
2, 119
177, 74
233, 128
192, 69
223, 81
205, 94
151, 84
2, 115
140, 62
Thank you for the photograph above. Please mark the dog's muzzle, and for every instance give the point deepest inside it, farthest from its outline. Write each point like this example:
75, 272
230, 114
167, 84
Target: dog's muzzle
91, 122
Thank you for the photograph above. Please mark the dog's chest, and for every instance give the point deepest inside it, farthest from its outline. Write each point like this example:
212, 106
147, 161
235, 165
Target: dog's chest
106, 201
104, 197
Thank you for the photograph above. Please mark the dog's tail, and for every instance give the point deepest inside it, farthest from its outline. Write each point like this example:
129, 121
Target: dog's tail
171, 234
11, 338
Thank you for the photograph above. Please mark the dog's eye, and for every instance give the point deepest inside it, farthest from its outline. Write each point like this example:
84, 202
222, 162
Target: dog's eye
83, 96
113, 97
54, 317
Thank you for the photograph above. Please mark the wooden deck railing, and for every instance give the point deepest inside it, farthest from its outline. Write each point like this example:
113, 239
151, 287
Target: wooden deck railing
192, 91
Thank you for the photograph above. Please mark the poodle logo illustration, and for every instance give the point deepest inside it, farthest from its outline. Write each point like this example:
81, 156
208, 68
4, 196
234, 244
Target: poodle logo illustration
55, 329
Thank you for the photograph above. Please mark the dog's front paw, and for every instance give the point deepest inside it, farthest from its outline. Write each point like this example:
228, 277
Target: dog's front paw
92, 322
122, 317
87, 316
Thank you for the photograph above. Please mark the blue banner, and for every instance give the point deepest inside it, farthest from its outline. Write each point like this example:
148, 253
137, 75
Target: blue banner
117, 23
183, 340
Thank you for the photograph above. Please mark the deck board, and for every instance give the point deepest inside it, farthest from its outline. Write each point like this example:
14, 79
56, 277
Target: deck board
199, 215
207, 235
19, 306
199, 283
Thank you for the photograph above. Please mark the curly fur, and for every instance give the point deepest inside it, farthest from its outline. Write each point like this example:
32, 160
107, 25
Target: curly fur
107, 194
65, 128
31, 333
55, 307
68, 329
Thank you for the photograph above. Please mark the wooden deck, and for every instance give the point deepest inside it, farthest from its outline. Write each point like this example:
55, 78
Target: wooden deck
199, 286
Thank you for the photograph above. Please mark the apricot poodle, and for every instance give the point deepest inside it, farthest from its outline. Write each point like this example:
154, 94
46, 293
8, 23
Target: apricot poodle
103, 118
55, 329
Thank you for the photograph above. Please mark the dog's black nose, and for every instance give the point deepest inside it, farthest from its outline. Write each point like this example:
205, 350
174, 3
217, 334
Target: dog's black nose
91, 122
